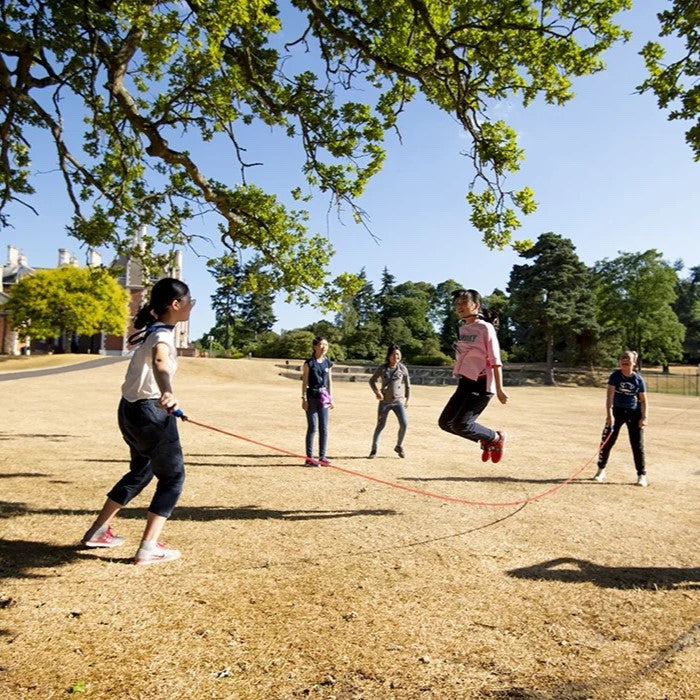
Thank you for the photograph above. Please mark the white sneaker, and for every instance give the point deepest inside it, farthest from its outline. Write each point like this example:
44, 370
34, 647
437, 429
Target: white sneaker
642, 480
600, 476
156, 555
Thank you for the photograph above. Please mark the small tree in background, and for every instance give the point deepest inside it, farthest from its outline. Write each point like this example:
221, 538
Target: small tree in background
68, 300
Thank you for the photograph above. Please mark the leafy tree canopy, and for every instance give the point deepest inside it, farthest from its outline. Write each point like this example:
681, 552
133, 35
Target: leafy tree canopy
687, 308
68, 299
551, 297
676, 84
158, 81
635, 292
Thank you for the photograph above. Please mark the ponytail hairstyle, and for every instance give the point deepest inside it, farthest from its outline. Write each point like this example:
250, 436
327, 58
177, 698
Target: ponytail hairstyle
391, 349
164, 293
475, 298
634, 356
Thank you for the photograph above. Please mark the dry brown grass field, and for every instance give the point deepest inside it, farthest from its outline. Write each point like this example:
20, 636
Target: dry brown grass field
298, 582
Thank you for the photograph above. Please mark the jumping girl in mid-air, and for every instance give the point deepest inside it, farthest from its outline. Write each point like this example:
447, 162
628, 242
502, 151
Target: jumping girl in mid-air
478, 366
625, 404
148, 425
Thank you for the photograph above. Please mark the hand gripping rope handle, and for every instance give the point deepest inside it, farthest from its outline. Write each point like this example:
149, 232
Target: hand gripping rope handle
180, 414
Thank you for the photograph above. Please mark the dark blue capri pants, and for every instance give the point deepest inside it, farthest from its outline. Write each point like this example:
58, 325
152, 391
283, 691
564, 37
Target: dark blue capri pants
152, 435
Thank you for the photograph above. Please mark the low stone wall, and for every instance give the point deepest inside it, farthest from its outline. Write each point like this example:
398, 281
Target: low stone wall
434, 376
513, 375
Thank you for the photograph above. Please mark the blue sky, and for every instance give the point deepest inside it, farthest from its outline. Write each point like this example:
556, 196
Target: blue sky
609, 172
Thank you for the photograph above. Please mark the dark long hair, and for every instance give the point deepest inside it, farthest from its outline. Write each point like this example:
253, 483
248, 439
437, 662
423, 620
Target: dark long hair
475, 298
316, 341
163, 294
391, 349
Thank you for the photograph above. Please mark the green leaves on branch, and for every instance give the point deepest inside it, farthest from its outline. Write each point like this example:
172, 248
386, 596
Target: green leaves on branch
160, 84
676, 84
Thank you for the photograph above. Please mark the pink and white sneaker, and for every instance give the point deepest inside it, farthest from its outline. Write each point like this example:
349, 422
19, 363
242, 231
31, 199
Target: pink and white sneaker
106, 539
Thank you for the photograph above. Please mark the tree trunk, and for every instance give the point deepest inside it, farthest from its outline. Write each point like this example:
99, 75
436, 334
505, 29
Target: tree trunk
549, 370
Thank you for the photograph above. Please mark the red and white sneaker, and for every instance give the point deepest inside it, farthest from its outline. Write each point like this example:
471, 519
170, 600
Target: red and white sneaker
498, 447
485, 450
156, 555
106, 539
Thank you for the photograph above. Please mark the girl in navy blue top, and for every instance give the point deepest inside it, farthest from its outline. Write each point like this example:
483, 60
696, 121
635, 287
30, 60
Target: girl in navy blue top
625, 404
316, 400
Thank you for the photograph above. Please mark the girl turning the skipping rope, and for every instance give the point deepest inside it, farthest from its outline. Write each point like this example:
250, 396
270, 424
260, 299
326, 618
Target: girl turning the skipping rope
394, 394
478, 366
316, 400
148, 425
625, 404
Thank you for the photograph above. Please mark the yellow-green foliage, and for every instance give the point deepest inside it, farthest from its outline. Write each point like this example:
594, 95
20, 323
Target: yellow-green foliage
68, 299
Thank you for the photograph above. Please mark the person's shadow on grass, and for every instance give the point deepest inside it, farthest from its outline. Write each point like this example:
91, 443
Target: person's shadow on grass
572, 570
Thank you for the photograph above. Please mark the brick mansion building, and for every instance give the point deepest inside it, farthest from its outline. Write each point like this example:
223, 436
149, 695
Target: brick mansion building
130, 276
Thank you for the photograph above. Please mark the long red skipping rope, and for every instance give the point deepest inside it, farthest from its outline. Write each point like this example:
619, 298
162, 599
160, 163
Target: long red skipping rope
392, 484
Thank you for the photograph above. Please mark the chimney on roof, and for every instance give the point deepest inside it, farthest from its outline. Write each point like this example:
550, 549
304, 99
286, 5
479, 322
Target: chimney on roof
177, 265
12, 256
23, 260
94, 259
63, 257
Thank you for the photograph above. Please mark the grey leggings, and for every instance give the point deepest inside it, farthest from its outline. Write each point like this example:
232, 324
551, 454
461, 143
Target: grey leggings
382, 413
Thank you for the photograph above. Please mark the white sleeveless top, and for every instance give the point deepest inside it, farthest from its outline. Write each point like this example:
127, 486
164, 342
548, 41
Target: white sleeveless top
139, 382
